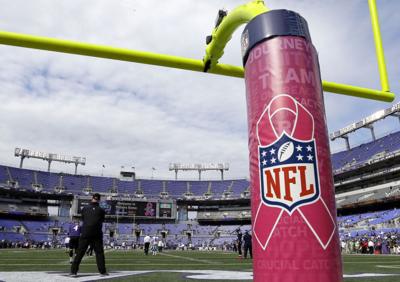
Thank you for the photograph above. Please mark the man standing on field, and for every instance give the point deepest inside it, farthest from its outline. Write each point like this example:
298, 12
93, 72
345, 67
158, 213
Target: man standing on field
92, 217
146, 241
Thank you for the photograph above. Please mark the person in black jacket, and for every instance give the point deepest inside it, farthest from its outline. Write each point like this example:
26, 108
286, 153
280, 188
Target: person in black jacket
239, 241
247, 244
91, 234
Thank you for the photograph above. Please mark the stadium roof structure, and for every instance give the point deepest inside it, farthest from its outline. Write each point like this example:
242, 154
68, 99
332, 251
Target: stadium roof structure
366, 122
49, 157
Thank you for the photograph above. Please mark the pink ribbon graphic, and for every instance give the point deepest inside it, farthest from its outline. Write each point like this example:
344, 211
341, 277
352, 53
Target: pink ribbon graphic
284, 113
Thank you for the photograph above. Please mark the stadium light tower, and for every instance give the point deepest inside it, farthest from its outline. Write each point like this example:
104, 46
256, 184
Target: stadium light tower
199, 168
367, 122
49, 157
346, 139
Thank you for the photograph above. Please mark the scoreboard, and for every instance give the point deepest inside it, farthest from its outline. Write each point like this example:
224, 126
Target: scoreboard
165, 210
133, 208
144, 209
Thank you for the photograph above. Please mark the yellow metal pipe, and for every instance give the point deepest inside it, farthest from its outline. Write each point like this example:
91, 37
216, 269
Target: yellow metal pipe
378, 45
223, 32
72, 47
357, 91
108, 52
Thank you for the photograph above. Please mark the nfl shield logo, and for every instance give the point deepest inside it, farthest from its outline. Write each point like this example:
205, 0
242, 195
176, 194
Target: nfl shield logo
289, 173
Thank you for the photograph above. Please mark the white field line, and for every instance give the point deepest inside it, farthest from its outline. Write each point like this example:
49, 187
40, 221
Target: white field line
189, 258
84, 258
131, 264
397, 266
5, 259
370, 262
189, 274
370, 256
86, 277
136, 260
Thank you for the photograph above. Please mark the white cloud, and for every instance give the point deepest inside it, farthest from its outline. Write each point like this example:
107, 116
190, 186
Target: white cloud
118, 113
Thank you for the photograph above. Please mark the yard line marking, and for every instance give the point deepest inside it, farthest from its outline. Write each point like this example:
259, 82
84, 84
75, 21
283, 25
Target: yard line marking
31, 258
52, 276
86, 257
189, 258
368, 275
370, 262
389, 266
368, 255
131, 264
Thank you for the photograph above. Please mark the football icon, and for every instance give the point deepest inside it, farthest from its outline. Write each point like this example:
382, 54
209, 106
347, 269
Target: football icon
285, 151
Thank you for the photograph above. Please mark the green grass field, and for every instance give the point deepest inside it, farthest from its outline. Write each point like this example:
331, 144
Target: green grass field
23, 261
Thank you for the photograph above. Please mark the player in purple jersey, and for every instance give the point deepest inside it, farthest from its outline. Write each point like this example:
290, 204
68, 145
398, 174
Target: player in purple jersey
74, 233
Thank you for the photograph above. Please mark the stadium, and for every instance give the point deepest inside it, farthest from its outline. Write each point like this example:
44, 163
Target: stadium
198, 220
198, 213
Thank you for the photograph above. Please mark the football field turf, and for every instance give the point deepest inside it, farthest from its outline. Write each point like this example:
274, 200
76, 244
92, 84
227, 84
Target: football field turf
53, 265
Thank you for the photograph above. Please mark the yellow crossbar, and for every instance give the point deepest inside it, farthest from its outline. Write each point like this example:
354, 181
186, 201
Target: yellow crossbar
108, 52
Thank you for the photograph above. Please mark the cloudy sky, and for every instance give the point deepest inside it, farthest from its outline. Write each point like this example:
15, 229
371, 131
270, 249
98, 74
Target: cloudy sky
125, 114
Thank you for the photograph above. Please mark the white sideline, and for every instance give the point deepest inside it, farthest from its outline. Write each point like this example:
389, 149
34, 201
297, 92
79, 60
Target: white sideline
191, 274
